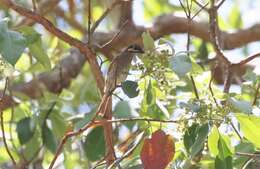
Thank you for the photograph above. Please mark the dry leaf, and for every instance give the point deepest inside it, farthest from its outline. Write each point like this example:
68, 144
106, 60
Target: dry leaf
158, 151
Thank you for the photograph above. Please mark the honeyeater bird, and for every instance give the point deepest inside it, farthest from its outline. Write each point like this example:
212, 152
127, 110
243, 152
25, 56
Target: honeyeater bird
117, 73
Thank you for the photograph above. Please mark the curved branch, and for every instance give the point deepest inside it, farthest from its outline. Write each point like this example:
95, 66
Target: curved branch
82, 47
163, 25
54, 81
170, 24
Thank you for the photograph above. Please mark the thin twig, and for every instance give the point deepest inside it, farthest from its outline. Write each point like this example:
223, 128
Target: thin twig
210, 86
203, 7
247, 162
50, 110
256, 95
220, 3
64, 140
237, 132
89, 21
10, 128
199, 4
134, 119
228, 80
2, 126
253, 155
188, 14
183, 7
194, 87
248, 59
71, 21
101, 18
103, 122
83, 48
115, 36
214, 31
127, 154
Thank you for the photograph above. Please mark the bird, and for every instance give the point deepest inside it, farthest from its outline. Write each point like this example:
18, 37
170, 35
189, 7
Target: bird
117, 73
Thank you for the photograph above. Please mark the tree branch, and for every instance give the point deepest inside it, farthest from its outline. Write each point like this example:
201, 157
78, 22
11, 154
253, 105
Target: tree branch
83, 48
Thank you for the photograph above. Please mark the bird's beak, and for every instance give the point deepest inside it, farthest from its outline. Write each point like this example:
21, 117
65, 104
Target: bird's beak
136, 50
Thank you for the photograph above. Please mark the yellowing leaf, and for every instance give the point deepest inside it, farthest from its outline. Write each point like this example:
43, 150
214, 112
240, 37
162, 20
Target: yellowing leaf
250, 126
158, 151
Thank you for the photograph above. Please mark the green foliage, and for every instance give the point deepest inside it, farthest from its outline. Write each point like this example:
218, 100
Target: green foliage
203, 51
213, 141
241, 105
156, 7
148, 42
25, 129
33, 145
12, 44
35, 46
48, 138
235, 17
150, 94
122, 110
224, 157
159, 85
94, 144
181, 64
130, 88
250, 126
195, 137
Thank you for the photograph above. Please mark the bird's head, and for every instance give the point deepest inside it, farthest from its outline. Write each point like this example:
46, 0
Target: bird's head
134, 48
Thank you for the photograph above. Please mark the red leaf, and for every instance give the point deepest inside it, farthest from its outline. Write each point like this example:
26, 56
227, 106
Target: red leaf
158, 151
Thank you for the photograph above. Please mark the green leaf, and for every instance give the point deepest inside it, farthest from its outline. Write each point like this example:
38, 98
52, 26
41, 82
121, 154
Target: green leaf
33, 145
169, 43
201, 136
35, 46
40, 55
250, 126
48, 139
224, 157
154, 8
150, 94
223, 148
181, 64
223, 164
83, 121
12, 44
213, 141
30, 34
59, 125
196, 68
130, 88
148, 41
25, 129
241, 105
190, 136
122, 110
71, 159
243, 147
235, 18
94, 144
152, 111
203, 51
